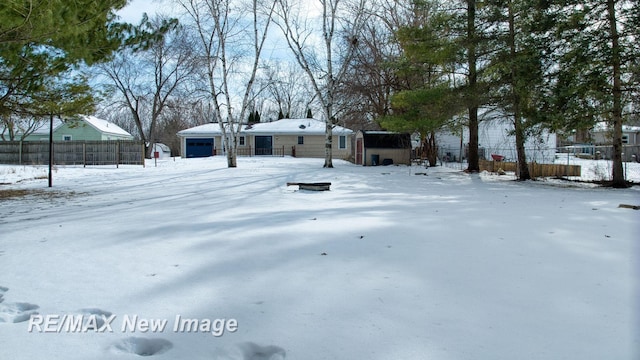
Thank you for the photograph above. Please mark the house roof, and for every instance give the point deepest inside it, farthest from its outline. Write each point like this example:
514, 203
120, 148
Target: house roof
43, 127
102, 126
279, 127
105, 126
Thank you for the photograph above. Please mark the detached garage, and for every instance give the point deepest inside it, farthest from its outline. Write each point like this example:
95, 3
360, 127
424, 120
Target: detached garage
382, 148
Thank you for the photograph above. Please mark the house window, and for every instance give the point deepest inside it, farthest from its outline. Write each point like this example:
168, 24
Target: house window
242, 140
66, 137
300, 140
625, 138
343, 142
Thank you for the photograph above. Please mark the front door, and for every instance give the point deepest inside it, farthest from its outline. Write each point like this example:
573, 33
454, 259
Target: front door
264, 145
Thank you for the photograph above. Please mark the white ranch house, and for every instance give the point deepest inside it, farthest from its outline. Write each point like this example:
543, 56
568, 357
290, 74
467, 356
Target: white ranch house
286, 137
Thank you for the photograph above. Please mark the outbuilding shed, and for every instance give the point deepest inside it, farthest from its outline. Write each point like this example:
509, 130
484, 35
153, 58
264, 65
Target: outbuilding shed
382, 148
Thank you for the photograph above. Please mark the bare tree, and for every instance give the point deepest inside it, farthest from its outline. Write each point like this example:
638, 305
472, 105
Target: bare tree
288, 90
223, 34
147, 80
373, 77
17, 128
126, 82
341, 23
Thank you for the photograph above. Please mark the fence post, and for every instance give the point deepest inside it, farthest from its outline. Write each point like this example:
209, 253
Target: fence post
533, 169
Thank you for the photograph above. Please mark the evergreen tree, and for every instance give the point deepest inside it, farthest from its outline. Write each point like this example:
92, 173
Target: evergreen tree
43, 40
517, 68
467, 29
428, 102
596, 48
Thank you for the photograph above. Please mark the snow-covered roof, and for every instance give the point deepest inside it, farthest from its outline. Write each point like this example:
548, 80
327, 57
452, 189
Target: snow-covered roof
43, 127
279, 127
104, 126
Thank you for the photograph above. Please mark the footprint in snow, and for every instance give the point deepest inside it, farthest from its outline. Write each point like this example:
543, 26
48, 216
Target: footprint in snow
15, 312
100, 315
253, 351
142, 346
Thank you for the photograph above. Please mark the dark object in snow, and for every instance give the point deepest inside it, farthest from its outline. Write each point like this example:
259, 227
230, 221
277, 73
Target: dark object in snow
627, 206
318, 186
253, 351
323, 254
143, 346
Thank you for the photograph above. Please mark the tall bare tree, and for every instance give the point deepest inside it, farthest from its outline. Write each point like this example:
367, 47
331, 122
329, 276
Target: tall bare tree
288, 91
225, 38
146, 80
316, 50
372, 79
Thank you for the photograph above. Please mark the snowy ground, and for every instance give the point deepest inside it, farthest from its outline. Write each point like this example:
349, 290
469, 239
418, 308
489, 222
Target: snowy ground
389, 264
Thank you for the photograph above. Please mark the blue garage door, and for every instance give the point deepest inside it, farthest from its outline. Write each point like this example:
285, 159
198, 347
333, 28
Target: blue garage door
199, 147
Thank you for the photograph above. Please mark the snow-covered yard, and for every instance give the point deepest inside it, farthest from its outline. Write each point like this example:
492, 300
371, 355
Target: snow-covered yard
389, 264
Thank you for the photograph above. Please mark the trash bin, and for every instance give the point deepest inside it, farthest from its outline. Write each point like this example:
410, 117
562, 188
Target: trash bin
375, 159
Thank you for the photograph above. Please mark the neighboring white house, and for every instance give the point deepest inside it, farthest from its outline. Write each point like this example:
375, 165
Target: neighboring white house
494, 137
293, 137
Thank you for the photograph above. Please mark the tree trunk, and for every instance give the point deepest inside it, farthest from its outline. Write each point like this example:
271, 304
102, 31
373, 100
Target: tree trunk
523, 167
328, 153
152, 137
231, 157
472, 96
432, 149
50, 151
616, 111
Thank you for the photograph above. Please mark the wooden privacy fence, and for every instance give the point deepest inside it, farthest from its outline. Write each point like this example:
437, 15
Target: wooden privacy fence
121, 152
536, 170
